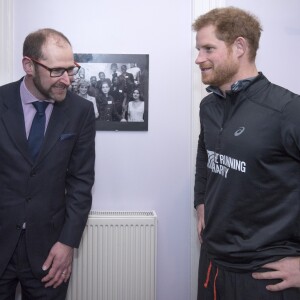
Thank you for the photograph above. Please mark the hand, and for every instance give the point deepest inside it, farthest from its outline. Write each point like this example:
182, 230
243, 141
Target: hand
59, 261
286, 269
201, 224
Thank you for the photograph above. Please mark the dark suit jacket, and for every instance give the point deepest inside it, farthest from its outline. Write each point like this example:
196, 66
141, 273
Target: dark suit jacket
126, 82
53, 194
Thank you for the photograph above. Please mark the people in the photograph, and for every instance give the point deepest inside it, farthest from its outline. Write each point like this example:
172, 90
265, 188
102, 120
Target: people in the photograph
80, 74
136, 107
114, 71
247, 179
119, 100
102, 78
134, 70
93, 90
143, 79
126, 80
74, 86
47, 170
105, 102
83, 87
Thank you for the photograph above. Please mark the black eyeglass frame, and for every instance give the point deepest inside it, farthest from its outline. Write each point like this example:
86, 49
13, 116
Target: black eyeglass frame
70, 71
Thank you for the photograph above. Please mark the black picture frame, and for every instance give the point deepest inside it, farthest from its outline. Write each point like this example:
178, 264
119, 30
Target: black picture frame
93, 64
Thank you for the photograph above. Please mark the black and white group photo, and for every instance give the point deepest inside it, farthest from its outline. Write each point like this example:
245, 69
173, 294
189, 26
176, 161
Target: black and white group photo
117, 85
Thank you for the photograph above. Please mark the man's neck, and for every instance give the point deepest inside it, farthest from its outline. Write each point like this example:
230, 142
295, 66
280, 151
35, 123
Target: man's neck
244, 73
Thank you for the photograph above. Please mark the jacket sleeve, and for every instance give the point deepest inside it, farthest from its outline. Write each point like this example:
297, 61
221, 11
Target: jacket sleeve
201, 170
290, 127
79, 182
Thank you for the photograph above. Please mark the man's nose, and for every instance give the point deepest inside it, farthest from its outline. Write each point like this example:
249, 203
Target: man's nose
200, 58
66, 79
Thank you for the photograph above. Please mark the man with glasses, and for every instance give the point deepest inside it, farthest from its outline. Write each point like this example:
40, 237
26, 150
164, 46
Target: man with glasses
47, 153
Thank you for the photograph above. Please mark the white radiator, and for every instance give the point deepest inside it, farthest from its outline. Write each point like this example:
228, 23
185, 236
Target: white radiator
116, 259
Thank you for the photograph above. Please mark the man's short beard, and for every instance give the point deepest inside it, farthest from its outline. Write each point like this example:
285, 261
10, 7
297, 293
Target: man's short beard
37, 83
224, 73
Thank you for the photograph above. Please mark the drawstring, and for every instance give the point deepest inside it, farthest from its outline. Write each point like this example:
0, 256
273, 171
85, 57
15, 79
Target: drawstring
215, 286
215, 279
207, 275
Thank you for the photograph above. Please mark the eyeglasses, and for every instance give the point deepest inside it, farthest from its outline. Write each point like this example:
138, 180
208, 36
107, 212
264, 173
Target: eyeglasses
57, 72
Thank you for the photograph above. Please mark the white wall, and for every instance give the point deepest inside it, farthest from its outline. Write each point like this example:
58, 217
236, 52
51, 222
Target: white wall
6, 41
137, 170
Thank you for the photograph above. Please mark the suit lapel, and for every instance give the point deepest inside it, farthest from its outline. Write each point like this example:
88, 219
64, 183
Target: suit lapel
13, 120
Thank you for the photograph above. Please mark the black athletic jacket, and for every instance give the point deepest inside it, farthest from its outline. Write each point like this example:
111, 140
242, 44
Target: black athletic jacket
248, 175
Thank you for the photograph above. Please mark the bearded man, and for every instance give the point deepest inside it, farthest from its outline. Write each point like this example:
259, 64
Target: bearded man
247, 183
47, 153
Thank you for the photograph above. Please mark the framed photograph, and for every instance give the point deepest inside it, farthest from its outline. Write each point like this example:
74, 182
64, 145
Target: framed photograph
118, 85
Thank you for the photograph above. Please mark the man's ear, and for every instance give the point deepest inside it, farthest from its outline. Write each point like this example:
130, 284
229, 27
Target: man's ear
28, 65
240, 45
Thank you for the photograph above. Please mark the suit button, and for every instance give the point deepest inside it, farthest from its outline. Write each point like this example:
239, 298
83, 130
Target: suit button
28, 199
32, 173
19, 227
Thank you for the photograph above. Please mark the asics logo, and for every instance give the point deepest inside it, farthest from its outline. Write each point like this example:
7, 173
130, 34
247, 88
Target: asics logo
239, 131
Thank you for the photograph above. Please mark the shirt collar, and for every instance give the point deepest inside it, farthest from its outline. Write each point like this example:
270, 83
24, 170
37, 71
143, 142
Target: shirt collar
235, 87
27, 97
